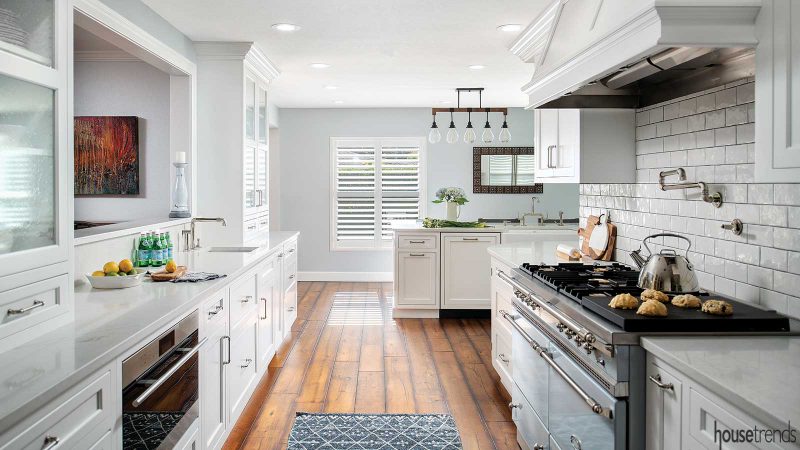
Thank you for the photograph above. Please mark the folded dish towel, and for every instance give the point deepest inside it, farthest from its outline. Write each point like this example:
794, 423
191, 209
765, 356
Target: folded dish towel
194, 277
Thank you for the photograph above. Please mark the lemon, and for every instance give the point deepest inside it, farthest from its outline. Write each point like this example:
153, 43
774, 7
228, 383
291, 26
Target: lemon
98, 273
171, 266
109, 267
125, 265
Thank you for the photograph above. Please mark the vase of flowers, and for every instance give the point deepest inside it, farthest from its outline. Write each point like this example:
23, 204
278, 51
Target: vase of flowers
453, 198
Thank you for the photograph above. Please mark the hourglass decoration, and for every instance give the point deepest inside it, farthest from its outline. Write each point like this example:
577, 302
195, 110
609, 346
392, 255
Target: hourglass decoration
180, 194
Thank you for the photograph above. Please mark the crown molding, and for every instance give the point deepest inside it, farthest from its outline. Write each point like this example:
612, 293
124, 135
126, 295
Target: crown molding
238, 51
104, 55
532, 44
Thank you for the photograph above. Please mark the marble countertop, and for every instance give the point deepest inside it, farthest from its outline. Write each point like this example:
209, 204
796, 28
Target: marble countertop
406, 225
107, 324
103, 232
758, 374
537, 251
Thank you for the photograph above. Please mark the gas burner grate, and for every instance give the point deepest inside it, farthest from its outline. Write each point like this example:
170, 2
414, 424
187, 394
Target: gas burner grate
578, 279
147, 430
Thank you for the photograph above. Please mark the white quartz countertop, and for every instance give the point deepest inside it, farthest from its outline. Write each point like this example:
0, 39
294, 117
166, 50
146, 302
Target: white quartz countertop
757, 374
567, 228
103, 232
109, 323
542, 250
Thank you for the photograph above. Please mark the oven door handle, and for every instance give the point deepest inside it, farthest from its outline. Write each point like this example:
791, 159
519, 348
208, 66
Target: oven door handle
171, 371
597, 408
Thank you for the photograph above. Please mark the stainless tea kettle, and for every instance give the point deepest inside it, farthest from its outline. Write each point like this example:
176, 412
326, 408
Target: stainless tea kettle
666, 271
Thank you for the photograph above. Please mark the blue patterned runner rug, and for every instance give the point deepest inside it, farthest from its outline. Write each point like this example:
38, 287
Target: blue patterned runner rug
374, 432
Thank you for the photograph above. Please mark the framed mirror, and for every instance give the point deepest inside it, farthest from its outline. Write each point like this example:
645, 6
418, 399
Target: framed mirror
504, 170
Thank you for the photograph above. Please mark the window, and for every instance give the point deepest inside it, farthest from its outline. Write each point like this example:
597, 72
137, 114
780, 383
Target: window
374, 181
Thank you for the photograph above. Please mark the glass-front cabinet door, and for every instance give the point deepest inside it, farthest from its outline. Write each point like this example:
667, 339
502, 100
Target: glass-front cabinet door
35, 135
255, 146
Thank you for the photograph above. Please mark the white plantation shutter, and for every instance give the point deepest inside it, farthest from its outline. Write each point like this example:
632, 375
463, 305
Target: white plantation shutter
500, 170
375, 181
525, 168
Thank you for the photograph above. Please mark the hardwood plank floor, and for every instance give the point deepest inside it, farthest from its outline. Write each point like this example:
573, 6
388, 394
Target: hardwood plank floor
346, 354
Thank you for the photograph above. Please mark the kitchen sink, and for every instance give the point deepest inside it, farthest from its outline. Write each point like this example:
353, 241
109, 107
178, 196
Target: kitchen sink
231, 249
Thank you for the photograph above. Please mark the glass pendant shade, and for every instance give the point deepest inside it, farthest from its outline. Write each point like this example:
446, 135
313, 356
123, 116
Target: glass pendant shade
452, 134
434, 135
487, 136
469, 134
505, 133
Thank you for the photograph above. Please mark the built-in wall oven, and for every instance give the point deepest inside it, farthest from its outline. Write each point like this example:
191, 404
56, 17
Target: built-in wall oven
160, 394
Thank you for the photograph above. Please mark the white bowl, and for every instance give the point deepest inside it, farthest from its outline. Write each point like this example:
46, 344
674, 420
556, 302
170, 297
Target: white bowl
119, 282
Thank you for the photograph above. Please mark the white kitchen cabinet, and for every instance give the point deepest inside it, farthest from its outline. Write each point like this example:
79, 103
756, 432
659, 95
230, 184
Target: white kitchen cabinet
213, 360
466, 273
241, 376
664, 408
417, 279
502, 301
36, 168
268, 292
232, 93
777, 129
584, 145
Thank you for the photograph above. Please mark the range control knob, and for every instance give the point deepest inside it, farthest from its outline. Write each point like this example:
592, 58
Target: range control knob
561, 327
578, 341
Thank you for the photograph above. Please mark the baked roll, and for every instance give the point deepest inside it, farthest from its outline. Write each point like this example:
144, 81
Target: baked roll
686, 301
652, 294
624, 301
717, 307
652, 308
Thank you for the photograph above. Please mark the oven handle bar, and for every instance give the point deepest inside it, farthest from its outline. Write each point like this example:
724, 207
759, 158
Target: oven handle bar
597, 408
584, 334
171, 371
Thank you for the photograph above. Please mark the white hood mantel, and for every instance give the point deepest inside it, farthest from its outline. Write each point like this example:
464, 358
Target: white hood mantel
574, 42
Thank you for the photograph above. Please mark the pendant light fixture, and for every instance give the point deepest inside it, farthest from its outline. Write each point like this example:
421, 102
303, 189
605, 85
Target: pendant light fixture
487, 136
452, 133
469, 133
505, 133
434, 136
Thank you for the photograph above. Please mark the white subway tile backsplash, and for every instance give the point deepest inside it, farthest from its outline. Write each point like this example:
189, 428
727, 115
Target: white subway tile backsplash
710, 135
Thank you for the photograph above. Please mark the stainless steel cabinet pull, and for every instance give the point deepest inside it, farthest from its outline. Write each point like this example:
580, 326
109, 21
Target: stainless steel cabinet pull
227, 338
576, 443
247, 298
251, 227
215, 311
538, 446
513, 405
291, 250
49, 442
469, 239
416, 254
36, 304
291, 277
657, 381
290, 309
416, 242
502, 357
171, 371
263, 299
246, 363
280, 255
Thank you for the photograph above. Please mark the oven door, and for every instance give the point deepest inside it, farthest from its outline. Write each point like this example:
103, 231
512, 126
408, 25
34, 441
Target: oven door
530, 370
583, 415
161, 405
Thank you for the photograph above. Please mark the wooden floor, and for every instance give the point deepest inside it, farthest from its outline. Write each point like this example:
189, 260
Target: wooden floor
346, 354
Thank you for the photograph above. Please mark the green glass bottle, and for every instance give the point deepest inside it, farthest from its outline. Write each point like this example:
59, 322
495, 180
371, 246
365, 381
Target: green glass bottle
169, 246
143, 252
158, 250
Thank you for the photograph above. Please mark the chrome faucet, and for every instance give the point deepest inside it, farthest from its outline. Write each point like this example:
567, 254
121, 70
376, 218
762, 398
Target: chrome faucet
189, 241
533, 213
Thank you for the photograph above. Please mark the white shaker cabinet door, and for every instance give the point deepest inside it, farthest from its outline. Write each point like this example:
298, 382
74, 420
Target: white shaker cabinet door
466, 270
663, 409
777, 94
417, 279
265, 346
213, 357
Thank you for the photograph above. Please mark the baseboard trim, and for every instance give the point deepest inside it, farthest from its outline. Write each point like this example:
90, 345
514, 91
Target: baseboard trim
346, 276
415, 313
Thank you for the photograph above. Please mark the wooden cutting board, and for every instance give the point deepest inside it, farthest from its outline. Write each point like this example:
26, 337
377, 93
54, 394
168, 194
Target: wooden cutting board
608, 233
163, 275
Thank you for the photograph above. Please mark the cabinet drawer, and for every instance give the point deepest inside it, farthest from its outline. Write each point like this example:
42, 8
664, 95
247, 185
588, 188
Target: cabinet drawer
215, 312
708, 413
241, 373
243, 299
290, 249
416, 242
250, 229
33, 304
262, 223
78, 418
530, 429
502, 356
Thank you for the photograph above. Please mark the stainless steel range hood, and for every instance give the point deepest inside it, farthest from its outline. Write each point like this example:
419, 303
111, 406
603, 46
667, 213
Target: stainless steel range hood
667, 74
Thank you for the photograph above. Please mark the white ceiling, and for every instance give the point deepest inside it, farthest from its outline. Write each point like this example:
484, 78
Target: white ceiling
383, 53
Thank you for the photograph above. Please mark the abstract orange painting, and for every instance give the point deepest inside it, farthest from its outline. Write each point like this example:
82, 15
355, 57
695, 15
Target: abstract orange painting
106, 155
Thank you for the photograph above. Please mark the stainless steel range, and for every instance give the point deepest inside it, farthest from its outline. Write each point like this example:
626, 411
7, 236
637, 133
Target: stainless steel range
578, 363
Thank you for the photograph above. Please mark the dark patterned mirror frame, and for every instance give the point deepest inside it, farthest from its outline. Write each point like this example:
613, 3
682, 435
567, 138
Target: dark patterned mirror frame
478, 188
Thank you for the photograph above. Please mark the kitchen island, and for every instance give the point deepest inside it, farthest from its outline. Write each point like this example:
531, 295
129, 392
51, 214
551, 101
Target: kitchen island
110, 324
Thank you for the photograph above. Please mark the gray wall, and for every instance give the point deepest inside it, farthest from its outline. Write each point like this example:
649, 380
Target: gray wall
141, 14
305, 175
129, 88
710, 134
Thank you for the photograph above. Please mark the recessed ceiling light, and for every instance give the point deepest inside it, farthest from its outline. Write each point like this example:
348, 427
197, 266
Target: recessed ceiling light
477, 66
331, 87
338, 102
510, 27
285, 27
319, 65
